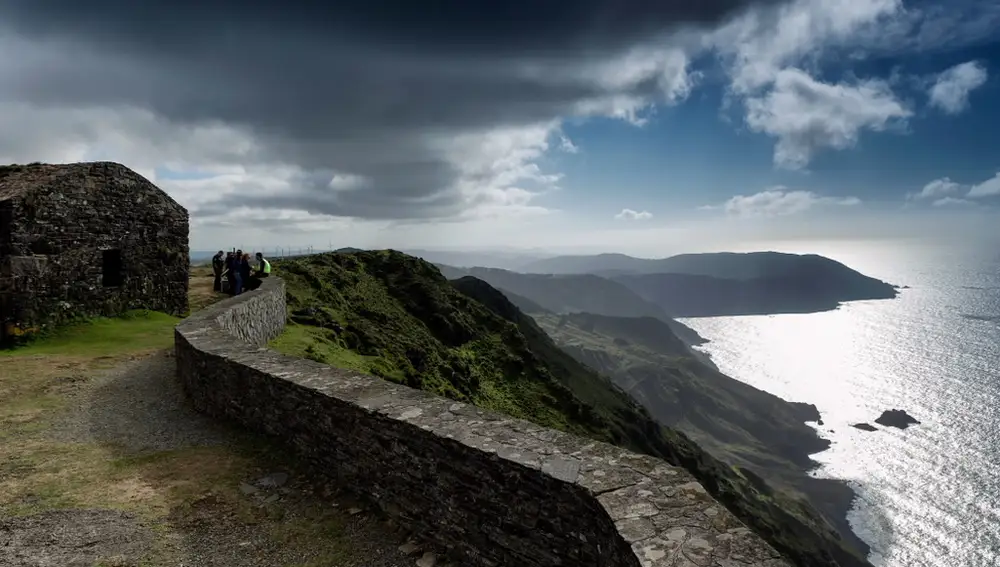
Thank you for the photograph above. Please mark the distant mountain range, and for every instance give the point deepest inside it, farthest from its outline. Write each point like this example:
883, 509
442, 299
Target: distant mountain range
688, 285
729, 265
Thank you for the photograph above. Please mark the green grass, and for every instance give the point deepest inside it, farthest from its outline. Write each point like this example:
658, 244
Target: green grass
305, 341
396, 317
104, 336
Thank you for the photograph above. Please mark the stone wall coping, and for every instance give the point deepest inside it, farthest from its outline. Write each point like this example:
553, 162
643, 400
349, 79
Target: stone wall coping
664, 515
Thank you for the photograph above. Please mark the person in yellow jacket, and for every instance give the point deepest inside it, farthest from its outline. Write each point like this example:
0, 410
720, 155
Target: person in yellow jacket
263, 266
262, 271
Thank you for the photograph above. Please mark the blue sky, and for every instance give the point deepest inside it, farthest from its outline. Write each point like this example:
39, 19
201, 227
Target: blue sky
673, 126
698, 153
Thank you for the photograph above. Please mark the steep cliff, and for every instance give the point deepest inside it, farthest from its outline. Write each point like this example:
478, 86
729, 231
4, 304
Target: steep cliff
397, 317
737, 423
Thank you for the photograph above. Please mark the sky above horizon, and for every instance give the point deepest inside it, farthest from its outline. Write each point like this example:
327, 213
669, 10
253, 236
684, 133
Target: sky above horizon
594, 125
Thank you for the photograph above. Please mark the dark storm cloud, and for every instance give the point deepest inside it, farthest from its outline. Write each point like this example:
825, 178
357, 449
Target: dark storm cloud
351, 86
511, 26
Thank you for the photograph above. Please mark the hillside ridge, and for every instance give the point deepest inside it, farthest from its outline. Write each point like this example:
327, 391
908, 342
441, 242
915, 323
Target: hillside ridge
575, 293
398, 317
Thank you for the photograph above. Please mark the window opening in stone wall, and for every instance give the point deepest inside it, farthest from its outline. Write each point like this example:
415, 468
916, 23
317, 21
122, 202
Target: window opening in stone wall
112, 270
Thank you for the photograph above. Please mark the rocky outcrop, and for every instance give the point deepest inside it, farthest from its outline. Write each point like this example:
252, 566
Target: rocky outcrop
896, 418
493, 489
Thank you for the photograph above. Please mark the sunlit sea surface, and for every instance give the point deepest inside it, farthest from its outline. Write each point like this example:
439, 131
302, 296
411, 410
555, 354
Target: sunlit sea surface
928, 495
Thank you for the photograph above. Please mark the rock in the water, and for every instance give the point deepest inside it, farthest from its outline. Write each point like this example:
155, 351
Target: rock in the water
428, 560
896, 418
864, 426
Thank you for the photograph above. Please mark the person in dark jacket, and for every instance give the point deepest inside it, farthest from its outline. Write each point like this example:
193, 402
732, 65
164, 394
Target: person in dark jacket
237, 272
245, 270
218, 266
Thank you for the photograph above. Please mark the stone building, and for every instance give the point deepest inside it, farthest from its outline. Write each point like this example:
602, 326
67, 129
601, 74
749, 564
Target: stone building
87, 239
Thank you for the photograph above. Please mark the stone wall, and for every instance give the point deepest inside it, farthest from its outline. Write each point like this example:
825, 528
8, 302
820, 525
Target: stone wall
62, 220
494, 490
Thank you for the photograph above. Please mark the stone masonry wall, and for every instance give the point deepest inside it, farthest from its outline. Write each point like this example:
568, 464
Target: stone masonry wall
495, 490
62, 218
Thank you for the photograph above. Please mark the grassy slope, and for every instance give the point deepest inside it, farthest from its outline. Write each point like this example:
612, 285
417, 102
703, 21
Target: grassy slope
397, 317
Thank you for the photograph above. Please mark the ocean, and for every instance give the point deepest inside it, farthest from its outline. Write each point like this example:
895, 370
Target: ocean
928, 496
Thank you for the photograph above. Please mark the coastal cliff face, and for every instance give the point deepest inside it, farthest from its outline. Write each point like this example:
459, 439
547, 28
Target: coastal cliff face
763, 435
395, 316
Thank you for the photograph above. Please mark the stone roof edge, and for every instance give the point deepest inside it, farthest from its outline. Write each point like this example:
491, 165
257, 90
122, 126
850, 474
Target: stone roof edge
16, 195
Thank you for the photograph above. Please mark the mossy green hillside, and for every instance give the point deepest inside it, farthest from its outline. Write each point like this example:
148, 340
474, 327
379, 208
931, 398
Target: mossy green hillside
397, 317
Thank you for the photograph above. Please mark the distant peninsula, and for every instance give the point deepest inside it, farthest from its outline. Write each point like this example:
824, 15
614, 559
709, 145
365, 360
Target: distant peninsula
727, 283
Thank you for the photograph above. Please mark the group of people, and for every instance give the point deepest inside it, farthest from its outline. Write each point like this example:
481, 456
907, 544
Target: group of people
235, 267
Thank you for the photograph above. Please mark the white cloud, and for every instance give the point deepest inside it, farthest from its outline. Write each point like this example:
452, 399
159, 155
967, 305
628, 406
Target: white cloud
942, 190
629, 214
950, 91
759, 45
497, 169
347, 181
988, 188
778, 201
936, 188
567, 145
807, 115
772, 57
951, 201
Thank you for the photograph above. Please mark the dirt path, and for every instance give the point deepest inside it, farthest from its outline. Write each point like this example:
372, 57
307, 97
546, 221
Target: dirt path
103, 464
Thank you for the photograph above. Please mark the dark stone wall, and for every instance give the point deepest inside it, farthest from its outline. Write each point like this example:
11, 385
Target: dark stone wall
63, 218
493, 489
